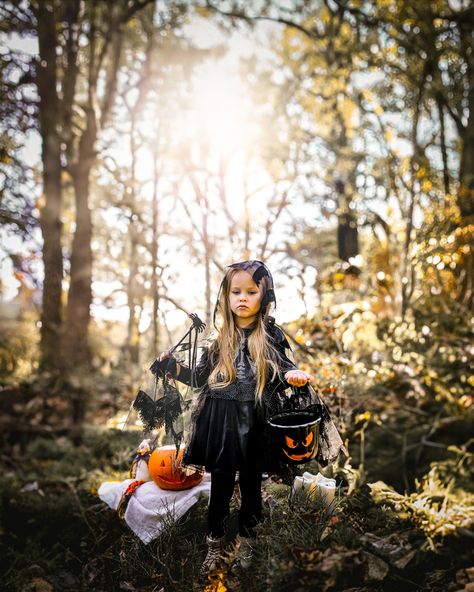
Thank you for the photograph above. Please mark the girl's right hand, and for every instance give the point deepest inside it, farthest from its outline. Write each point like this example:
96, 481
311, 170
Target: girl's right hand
166, 354
171, 368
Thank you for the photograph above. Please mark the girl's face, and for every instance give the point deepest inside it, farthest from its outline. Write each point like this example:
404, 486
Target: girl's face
244, 298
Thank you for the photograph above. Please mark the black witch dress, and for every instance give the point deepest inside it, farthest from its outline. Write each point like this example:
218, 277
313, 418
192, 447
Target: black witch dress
228, 427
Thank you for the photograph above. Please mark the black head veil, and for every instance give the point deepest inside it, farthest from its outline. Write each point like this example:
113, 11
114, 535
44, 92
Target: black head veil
261, 275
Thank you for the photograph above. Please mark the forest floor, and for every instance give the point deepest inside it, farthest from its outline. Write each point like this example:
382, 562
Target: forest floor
401, 519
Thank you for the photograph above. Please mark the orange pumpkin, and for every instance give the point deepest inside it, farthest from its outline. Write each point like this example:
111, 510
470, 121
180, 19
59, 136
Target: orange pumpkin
166, 471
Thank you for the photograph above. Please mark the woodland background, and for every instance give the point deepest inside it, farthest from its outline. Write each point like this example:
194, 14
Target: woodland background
145, 145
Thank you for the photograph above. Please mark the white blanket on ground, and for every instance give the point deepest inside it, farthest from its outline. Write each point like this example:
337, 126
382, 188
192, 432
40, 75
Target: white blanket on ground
149, 505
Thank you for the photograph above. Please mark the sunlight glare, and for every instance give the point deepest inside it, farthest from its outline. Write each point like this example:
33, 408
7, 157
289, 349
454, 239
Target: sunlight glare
222, 112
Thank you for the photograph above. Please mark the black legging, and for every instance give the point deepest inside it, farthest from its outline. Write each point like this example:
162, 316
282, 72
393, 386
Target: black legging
222, 488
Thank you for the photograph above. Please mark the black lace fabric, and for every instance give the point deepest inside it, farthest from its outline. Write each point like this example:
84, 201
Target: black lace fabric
210, 408
278, 397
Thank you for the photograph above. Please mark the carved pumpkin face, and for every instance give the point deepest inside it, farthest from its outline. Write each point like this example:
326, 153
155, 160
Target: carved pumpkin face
300, 450
295, 436
167, 473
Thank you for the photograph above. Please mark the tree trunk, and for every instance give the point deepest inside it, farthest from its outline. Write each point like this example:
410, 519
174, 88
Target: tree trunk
466, 189
50, 218
465, 197
76, 345
76, 349
154, 259
75, 338
347, 232
466, 171
407, 272
207, 268
131, 348
444, 150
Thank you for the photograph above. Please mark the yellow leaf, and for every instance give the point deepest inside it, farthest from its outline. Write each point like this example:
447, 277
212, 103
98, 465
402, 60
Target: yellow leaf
363, 416
346, 30
368, 95
421, 172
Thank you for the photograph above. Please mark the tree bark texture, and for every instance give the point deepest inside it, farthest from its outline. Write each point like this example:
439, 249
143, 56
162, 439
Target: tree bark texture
50, 217
75, 343
465, 271
347, 231
207, 267
132, 346
75, 335
154, 257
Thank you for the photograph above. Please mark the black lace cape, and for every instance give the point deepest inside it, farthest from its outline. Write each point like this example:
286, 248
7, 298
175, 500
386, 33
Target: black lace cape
278, 396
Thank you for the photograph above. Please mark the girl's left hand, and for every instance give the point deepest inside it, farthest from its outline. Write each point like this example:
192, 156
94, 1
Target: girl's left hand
297, 377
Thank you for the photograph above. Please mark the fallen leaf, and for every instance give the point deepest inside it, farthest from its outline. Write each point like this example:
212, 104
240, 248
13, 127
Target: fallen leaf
40, 585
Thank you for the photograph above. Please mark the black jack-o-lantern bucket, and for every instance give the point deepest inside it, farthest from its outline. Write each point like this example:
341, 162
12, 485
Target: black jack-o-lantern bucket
294, 436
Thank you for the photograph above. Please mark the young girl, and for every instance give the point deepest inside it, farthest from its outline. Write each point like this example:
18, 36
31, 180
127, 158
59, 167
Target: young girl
238, 376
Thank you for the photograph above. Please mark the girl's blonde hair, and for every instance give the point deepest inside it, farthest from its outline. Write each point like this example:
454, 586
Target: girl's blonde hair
228, 341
